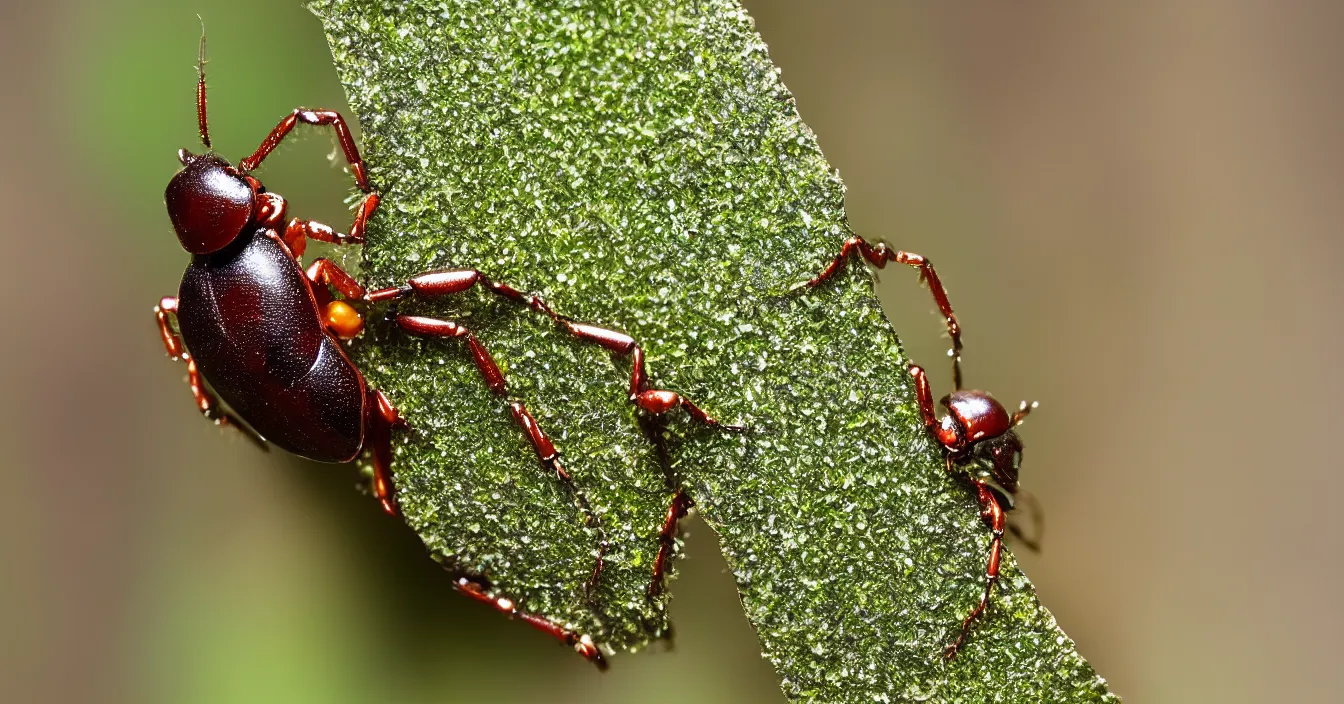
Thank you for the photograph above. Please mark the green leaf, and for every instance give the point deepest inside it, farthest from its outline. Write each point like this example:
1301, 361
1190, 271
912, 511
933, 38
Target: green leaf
641, 166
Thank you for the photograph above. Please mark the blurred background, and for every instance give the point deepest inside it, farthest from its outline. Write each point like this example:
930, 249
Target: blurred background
1135, 207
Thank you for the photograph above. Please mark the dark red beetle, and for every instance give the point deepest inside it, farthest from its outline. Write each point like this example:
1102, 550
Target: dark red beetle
264, 335
977, 432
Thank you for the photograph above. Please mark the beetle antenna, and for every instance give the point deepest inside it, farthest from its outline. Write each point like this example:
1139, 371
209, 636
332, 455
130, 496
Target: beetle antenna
200, 89
1024, 410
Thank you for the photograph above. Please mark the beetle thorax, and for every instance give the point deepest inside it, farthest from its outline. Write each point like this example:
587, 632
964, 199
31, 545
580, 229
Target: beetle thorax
995, 461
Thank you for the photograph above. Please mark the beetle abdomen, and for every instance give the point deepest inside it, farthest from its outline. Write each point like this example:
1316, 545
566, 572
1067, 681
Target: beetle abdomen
248, 317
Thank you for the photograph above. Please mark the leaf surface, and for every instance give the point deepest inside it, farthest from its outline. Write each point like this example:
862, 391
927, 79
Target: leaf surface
641, 166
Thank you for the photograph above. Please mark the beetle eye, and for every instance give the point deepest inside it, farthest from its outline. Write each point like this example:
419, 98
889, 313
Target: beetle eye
185, 156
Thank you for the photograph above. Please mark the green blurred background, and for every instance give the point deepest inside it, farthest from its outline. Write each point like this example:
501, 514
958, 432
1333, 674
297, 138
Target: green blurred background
1135, 206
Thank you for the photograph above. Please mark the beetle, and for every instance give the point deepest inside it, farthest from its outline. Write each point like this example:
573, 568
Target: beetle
263, 335
978, 434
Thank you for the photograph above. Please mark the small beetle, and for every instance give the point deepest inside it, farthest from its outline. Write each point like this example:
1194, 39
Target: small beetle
264, 334
977, 433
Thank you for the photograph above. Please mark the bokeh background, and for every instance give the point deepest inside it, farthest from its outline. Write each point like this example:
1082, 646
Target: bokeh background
1135, 206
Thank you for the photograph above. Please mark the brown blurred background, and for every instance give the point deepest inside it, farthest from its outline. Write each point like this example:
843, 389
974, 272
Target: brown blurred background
1134, 205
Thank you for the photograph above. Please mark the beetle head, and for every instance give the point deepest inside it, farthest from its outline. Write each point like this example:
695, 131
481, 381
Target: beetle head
209, 202
978, 414
992, 451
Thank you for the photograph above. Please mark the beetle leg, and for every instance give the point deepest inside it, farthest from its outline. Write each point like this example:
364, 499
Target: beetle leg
550, 459
270, 212
947, 433
433, 327
582, 644
171, 342
655, 402
325, 272
652, 401
339, 317
993, 515
591, 583
210, 407
878, 256
298, 229
382, 418
667, 540
494, 379
205, 401
450, 281
542, 445
312, 117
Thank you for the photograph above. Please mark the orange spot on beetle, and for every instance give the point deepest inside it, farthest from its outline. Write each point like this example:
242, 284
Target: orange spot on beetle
343, 320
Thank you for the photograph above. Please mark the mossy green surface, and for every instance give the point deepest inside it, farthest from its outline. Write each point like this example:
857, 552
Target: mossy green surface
641, 166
